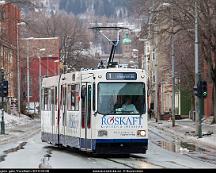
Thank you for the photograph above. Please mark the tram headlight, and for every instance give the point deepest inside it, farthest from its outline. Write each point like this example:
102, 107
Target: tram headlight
141, 133
102, 133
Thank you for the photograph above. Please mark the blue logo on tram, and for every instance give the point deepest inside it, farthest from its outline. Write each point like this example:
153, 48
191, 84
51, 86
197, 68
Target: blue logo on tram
120, 122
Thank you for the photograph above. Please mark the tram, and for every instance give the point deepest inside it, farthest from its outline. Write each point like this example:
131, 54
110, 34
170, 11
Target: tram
102, 111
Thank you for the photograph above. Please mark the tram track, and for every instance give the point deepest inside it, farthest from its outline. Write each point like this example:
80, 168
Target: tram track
200, 153
118, 162
143, 163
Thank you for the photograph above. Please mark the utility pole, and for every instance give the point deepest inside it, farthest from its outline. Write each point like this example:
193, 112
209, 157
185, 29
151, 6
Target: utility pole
40, 77
18, 69
173, 71
39, 82
155, 65
18, 72
157, 116
2, 101
28, 80
197, 75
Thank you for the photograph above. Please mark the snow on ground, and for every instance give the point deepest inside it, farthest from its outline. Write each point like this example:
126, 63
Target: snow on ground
61, 158
211, 140
14, 120
184, 129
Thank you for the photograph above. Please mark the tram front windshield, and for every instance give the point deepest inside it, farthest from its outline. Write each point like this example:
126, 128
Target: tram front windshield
121, 98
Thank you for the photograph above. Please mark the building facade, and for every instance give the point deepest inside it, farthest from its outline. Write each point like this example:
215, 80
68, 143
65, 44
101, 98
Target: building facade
208, 103
9, 17
36, 54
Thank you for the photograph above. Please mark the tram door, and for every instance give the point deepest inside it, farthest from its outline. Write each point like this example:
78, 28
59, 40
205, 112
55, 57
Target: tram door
53, 110
63, 114
86, 104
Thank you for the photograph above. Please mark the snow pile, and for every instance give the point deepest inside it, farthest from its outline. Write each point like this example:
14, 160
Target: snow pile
210, 140
14, 120
183, 150
186, 129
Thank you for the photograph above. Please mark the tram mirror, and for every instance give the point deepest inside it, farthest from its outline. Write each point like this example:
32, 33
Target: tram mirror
95, 113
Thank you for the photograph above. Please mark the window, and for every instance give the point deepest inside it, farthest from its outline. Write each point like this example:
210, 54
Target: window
121, 98
73, 77
63, 96
89, 107
153, 78
10, 56
54, 98
83, 104
2, 14
49, 100
31, 86
73, 98
42, 98
148, 49
93, 92
153, 54
45, 99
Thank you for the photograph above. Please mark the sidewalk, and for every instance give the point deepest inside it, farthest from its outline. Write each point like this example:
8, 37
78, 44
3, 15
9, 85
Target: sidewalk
186, 128
19, 128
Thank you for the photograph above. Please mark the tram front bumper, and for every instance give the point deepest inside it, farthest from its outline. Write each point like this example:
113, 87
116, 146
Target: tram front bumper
120, 146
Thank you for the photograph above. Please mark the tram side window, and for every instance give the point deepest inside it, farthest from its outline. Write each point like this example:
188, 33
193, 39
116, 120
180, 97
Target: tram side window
54, 98
42, 99
93, 101
45, 99
73, 97
49, 100
83, 105
89, 107
63, 95
77, 97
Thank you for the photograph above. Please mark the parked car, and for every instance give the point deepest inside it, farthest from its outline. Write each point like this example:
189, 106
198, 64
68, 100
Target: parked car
31, 110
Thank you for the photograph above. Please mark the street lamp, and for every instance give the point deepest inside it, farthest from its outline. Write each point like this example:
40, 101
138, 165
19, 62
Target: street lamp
47, 64
18, 66
28, 75
173, 72
162, 83
197, 72
39, 77
144, 53
58, 66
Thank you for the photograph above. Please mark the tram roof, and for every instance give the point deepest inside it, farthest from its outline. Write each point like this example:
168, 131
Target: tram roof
112, 69
53, 80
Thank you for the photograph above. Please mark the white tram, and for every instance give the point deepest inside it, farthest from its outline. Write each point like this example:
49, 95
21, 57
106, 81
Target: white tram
87, 110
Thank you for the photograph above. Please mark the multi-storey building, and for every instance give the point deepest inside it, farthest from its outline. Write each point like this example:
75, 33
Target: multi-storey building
158, 69
47, 6
9, 17
36, 54
208, 104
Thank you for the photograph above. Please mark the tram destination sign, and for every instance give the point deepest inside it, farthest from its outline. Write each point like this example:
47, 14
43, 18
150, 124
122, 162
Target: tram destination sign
121, 76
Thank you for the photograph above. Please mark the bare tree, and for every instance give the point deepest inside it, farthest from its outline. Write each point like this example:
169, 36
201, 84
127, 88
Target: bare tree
72, 32
184, 18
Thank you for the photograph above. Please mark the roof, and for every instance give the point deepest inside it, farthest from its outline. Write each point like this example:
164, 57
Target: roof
126, 40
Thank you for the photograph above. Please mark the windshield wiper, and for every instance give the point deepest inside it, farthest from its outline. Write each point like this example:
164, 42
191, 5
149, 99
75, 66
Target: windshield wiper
113, 111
